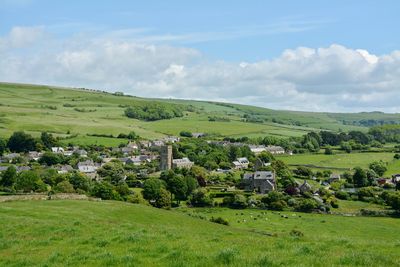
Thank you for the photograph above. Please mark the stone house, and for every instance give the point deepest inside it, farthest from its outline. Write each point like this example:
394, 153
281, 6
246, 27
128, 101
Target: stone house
260, 181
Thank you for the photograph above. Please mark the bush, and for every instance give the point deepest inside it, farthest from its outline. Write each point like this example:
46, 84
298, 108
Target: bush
342, 195
64, 187
200, 198
152, 111
185, 134
219, 220
307, 205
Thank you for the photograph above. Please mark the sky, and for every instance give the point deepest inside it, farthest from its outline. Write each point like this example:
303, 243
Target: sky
335, 56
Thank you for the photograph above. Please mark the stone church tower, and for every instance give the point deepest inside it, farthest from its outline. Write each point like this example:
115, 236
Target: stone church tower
166, 158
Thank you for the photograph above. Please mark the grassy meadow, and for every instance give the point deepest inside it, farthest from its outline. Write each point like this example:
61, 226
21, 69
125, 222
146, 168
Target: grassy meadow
75, 112
343, 161
106, 233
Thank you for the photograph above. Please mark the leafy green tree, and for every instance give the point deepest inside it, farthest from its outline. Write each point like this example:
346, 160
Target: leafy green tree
238, 201
307, 205
123, 190
360, 178
152, 188
345, 146
21, 142
200, 198
48, 140
28, 181
105, 190
64, 187
379, 167
50, 159
164, 199
9, 177
112, 172
79, 181
328, 151
3, 146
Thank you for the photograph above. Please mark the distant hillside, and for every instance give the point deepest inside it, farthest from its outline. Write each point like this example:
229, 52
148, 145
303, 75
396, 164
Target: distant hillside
77, 113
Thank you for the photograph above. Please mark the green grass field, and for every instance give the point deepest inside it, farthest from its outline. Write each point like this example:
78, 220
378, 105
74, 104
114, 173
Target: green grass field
84, 233
37, 108
344, 161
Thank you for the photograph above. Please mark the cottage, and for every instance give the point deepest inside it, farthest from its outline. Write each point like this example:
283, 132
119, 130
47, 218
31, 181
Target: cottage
9, 157
334, 178
81, 152
182, 163
171, 139
57, 150
260, 181
23, 168
257, 149
276, 150
34, 155
87, 166
395, 178
241, 163
258, 164
198, 135
305, 187
64, 169
157, 143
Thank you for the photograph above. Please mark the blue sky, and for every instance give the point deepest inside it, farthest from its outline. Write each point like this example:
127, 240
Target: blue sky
211, 36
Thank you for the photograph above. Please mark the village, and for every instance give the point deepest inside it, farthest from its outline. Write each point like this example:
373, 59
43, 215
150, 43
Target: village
129, 171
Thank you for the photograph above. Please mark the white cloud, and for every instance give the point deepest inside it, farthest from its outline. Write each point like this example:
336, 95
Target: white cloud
333, 78
20, 37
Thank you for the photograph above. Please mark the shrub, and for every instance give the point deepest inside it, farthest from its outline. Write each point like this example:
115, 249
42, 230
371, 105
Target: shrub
219, 220
200, 198
64, 187
342, 195
307, 205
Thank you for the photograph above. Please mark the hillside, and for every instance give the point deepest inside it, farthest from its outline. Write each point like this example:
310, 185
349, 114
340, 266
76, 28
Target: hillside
44, 233
76, 113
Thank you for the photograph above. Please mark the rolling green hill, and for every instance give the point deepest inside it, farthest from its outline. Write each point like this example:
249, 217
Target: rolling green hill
84, 233
76, 113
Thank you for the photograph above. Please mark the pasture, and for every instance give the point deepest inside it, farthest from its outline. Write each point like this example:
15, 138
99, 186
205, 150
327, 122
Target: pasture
67, 111
106, 233
342, 161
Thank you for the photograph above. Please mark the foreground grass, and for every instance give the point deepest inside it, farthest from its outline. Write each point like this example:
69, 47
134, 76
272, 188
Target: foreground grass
71, 233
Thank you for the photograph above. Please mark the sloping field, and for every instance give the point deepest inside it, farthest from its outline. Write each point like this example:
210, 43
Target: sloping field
84, 233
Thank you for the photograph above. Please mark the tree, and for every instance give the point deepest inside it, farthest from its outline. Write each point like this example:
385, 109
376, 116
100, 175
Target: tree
112, 172
237, 201
164, 199
307, 205
360, 177
28, 181
303, 171
185, 134
48, 140
379, 167
152, 188
105, 190
50, 159
345, 146
328, 151
64, 187
21, 142
9, 177
200, 198
79, 181
3, 146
